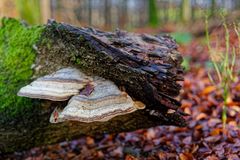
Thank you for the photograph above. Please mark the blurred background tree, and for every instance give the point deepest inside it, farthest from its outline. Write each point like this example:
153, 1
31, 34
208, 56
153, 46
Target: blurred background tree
29, 10
185, 10
110, 14
153, 13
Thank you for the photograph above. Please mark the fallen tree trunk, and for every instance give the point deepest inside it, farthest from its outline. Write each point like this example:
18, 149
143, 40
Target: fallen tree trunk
147, 67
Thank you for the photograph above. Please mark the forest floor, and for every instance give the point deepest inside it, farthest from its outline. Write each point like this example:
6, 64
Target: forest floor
203, 138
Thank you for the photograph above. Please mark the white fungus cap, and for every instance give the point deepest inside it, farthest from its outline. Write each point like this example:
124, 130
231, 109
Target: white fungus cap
59, 86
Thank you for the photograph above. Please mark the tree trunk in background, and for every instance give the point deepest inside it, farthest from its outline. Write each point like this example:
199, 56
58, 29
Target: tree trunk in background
8, 8
153, 13
237, 6
186, 10
90, 12
1, 8
123, 16
213, 8
29, 10
45, 10
193, 10
107, 13
141, 15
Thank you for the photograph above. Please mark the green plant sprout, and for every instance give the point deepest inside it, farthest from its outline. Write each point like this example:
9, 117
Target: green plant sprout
223, 65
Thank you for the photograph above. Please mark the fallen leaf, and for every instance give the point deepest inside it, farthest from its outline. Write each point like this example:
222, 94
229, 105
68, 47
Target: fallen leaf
186, 104
213, 157
194, 149
183, 157
148, 147
186, 156
187, 140
90, 141
208, 90
233, 123
213, 122
118, 152
216, 131
150, 134
162, 155
237, 87
212, 139
130, 157
233, 157
201, 116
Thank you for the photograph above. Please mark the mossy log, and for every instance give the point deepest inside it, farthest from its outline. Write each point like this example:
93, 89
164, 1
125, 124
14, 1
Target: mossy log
147, 67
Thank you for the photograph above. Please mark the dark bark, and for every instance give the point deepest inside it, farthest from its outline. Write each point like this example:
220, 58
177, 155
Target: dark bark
148, 67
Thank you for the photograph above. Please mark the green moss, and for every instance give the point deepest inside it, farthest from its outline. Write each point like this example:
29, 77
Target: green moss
16, 57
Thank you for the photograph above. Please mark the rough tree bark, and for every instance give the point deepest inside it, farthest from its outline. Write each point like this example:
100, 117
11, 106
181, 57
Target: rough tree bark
148, 67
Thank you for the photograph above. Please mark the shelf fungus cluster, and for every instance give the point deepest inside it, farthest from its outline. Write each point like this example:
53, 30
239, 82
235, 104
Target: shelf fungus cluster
91, 98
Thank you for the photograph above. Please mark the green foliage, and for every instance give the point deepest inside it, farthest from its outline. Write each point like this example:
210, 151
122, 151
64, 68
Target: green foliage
16, 57
182, 37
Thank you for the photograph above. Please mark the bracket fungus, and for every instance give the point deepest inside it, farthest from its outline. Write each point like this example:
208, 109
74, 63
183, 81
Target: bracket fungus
93, 98
105, 102
59, 86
